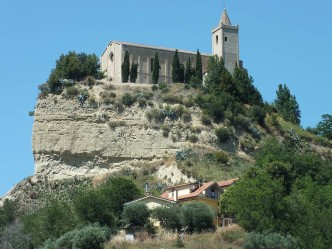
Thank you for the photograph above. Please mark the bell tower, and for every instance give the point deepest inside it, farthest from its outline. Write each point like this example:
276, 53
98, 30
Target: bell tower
225, 42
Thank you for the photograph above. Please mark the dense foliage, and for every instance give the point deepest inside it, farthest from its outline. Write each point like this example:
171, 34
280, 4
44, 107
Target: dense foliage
199, 68
288, 192
70, 68
324, 127
155, 70
287, 105
177, 68
125, 68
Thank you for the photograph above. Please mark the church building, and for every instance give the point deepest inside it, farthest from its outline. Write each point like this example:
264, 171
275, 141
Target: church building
225, 44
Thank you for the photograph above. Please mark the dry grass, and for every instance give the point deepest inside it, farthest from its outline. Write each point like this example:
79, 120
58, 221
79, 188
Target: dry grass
223, 238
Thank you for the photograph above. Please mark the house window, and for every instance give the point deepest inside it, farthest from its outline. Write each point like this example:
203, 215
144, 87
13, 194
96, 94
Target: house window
217, 38
213, 193
151, 65
173, 190
225, 38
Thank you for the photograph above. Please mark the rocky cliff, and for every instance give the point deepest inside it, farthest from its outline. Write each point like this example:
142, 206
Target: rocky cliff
72, 139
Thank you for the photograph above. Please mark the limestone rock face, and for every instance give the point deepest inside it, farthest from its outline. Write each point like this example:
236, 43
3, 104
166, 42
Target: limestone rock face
69, 139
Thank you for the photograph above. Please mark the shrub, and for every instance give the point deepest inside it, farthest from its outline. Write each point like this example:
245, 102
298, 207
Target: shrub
83, 96
186, 117
196, 129
154, 88
184, 154
162, 85
92, 102
242, 121
271, 241
197, 216
142, 102
166, 129
193, 138
169, 216
172, 99
233, 235
72, 91
108, 97
114, 124
206, 120
90, 81
220, 157
128, 99
222, 134
136, 215
156, 115
91, 236
118, 107
258, 114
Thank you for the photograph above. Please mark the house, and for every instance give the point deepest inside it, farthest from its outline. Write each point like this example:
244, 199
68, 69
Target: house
208, 193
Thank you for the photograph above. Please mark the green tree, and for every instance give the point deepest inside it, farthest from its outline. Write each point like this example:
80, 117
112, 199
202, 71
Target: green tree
199, 69
176, 72
189, 72
170, 217
248, 94
125, 68
213, 79
136, 215
93, 206
324, 127
197, 216
156, 69
50, 222
287, 105
133, 72
119, 191
8, 213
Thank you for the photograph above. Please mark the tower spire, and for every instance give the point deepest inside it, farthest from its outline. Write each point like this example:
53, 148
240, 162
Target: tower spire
224, 18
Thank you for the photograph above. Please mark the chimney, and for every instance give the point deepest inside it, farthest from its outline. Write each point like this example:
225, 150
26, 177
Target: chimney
176, 196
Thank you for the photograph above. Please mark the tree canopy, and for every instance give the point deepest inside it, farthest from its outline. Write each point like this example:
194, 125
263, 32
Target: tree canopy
287, 105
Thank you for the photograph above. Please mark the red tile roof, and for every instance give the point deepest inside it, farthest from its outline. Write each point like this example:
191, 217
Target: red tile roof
227, 183
196, 193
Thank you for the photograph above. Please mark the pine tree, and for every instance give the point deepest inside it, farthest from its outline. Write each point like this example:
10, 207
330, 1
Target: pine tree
133, 72
156, 69
176, 73
125, 68
188, 73
287, 105
198, 69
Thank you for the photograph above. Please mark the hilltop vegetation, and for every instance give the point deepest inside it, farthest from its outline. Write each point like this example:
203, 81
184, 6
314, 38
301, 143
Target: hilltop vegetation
283, 197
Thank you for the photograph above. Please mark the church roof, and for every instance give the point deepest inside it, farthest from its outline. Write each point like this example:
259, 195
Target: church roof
224, 18
157, 48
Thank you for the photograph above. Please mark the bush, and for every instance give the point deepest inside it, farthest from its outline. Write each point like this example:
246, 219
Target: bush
72, 91
142, 102
193, 138
118, 107
83, 96
222, 134
90, 81
197, 216
154, 88
270, 241
186, 117
128, 99
258, 114
172, 99
88, 237
206, 120
166, 129
136, 215
220, 157
184, 154
170, 217
114, 124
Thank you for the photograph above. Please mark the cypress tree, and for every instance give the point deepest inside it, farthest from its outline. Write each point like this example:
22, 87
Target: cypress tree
156, 69
199, 70
125, 68
176, 72
133, 72
181, 73
188, 73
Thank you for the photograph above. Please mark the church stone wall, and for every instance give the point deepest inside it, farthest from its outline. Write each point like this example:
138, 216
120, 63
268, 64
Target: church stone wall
113, 57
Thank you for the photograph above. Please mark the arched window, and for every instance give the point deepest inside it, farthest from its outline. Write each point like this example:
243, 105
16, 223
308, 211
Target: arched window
217, 38
225, 38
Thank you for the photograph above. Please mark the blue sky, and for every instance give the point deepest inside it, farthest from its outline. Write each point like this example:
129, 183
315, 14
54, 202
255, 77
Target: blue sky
281, 41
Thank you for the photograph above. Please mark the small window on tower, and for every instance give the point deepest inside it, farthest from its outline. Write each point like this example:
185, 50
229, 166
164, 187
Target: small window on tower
217, 38
225, 38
